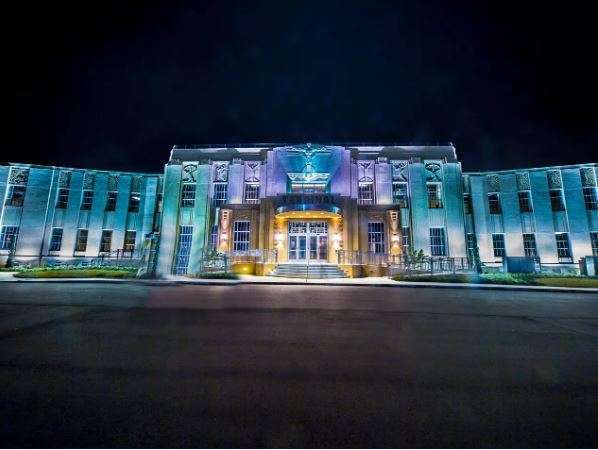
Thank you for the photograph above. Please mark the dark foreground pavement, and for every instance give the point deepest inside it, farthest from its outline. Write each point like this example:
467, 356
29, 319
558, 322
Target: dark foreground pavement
129, 365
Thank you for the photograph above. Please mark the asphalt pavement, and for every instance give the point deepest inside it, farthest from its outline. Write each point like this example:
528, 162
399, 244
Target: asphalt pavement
124, 365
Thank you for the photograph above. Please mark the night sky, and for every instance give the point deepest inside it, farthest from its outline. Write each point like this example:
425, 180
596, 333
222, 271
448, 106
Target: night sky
115, 85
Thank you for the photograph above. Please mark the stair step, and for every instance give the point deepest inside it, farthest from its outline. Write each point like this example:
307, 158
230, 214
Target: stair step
308, 271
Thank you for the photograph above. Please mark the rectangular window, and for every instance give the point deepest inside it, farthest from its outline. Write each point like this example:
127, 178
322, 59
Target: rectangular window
214, 236
494, 203
405, 240
529, 245
188, 195
400, 194
241, 232
134, 200
86, 200
376, 237
106, 241
111, 201
467, 205
56, 240
594, 240
308, 188
590, 198
16, 195
437, 242
471, 244
525, 201
181, 262
130, 236
556, 200
366, 193
62, 200
8, 238
81, 242
434, 195
498, 243
563, 249
220, 193
252, 193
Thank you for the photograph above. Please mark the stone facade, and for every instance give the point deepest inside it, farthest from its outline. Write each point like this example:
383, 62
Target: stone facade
356, 205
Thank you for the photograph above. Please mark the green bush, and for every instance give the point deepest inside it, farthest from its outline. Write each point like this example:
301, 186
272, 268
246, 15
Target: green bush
217, 275
520, 279
61, 272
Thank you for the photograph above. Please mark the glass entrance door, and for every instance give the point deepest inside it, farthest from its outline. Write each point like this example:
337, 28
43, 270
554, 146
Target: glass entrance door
308, 241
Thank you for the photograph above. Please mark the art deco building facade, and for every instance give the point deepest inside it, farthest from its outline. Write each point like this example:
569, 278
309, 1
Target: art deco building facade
356, 206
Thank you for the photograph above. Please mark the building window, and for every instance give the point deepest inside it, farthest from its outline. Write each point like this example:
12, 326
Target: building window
400, 194
365, 193
87, 200
8, 238
563, 249
181, 262
62, 200
556, 200
594, 240
467, 205
529, 245
241, 232
498, 243
188, 195
56, 240
434, 195
308, 188
494, 203
159, 201
525, 202
111, 201
134, 200
16, 195
106, 241
81, 242
220, 193
130, 236
405, 240
376, 237
471, 243
214, 236
252, 193
437, 242
589, 197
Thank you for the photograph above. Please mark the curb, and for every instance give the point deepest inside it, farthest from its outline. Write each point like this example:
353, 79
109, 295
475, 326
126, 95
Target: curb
398, 284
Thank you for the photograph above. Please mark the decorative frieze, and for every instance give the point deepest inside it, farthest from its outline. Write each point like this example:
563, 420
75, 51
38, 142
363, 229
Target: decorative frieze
221, 171
523, 181
400, 170
365, 170
136, 184
189, 173
252, 171
89, 181
554, 179
493, 183
113, 182
433, 171
64, 179
18, 175
588, 177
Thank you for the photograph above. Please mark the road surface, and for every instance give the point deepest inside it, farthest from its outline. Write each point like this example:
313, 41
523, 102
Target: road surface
113, 365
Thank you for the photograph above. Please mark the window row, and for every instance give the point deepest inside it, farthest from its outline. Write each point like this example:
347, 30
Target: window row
251, 194
377, 240
530, 249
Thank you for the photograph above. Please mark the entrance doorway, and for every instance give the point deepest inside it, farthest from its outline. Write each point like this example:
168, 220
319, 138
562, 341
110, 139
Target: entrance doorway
308, 241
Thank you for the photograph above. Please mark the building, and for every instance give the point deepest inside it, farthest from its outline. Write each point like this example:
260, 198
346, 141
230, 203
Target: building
267, 206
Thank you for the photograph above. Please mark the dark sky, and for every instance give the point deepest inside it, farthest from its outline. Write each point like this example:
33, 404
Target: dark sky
115, 85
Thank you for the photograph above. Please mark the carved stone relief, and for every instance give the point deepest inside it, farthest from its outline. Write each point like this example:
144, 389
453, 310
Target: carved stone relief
89, 181
588, 177
433, 171
221, 171
400, 170
554, 179
113, 182
493, 183
252, 171
18, 175
189, 173
523, 181
365, 170
64, 179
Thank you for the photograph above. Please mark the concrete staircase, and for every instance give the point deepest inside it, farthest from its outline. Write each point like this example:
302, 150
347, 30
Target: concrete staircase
311, 271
